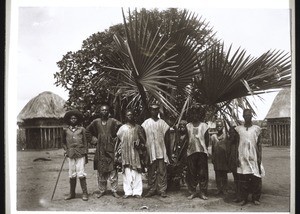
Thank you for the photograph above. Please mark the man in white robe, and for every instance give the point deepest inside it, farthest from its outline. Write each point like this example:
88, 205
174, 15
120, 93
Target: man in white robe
156, 130
250, 167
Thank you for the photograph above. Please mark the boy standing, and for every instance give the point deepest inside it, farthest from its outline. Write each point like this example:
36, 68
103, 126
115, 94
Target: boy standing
76, 149
219, 157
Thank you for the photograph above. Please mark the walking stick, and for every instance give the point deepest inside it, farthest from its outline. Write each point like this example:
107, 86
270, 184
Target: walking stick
58, 177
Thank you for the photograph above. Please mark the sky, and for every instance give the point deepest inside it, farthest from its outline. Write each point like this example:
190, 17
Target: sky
45, 34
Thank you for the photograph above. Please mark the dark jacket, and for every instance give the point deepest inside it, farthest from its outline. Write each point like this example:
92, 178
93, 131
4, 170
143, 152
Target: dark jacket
74, 142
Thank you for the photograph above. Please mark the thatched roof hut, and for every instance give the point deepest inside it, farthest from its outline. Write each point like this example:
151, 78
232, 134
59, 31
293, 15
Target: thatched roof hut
281, 106
42, 120
44, 105
278, 118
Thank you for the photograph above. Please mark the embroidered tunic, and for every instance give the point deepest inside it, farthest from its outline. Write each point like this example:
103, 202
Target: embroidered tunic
130, 155
248, 150
196, 138
74, 142
105, 149
155, 143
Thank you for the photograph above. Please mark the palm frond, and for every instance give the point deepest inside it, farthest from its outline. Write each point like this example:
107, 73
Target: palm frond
225, 78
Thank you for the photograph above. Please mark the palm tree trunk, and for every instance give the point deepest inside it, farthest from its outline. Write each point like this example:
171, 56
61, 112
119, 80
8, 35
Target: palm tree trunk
143, 97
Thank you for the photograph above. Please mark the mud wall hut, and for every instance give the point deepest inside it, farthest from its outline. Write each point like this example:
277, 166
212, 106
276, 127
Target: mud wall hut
279, 119
42, 121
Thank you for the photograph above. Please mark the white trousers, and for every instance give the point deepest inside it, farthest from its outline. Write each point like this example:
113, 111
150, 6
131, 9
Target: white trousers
76, 167
132, 182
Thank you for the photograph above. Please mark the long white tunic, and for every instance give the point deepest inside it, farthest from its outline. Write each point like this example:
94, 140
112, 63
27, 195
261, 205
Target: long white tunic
155, 143
247, 150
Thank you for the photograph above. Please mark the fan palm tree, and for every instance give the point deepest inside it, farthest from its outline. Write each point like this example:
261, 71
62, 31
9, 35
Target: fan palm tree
157, 57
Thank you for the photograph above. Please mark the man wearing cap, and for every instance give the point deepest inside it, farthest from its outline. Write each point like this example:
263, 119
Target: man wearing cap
105, 130
156, 130
76, 148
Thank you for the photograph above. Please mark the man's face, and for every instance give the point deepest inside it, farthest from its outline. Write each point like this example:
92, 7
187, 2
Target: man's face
73, 120
154, 112
104, 110
247, 115
129, 116
182, 128
219, 126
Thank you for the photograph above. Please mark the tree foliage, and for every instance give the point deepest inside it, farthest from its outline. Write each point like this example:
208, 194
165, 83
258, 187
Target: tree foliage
156, 40
171, 57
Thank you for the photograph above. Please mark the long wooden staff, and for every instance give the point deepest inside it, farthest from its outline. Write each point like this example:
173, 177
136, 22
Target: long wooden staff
58, 176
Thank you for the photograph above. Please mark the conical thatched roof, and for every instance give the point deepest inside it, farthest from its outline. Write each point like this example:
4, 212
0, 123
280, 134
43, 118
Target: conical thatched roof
281, 106
44, 105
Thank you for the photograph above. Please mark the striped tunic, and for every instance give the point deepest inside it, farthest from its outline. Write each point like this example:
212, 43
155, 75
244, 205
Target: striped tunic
130, 155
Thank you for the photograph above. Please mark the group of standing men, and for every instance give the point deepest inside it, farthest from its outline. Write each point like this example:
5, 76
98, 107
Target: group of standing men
136, 146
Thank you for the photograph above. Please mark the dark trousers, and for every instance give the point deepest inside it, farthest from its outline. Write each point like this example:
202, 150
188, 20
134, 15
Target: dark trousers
236, 178
250, 184
197, 172
221, 179
157, 176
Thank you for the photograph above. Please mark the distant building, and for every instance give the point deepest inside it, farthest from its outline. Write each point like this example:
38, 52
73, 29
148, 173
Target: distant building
42, 121
279, 118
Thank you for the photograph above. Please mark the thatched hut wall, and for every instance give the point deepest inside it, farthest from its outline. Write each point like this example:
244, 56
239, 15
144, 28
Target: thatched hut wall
43, 133
42, 121
278, 119
279, 129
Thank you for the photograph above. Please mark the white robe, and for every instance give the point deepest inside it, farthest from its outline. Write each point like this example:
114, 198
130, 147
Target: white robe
196, 138
155, 135
247, 150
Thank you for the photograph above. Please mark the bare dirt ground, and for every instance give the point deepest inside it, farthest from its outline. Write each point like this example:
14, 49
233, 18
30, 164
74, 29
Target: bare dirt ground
36, 180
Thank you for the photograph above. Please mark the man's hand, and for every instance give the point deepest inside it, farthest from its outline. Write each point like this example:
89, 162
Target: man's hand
65, 154
136, 144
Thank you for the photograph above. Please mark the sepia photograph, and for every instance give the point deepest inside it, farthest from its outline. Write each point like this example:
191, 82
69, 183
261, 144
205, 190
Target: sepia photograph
150, 107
